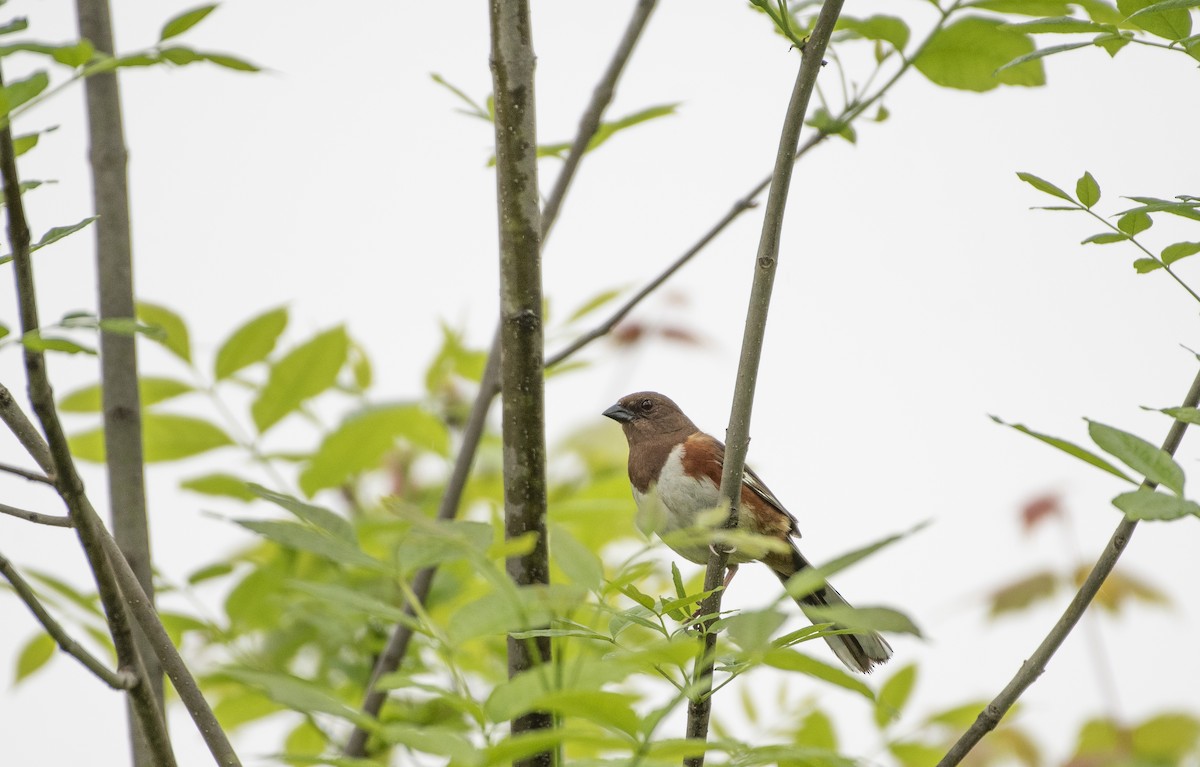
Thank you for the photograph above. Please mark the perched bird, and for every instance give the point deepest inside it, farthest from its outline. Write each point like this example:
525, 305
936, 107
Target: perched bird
675, 470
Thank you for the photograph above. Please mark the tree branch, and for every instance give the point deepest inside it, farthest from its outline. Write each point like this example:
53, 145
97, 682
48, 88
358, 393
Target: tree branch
121, 679
62, 467
33, 516
522, 377
118, 351
32, 476
489, 386
1032, 668
737, 436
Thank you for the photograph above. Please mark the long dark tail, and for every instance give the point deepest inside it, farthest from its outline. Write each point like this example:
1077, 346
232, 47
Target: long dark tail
859, 651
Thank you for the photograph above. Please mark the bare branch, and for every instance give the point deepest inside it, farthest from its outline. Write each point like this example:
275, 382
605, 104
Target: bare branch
32, 476
118, 351
23, 429
737, 436
1032, 668
33, 516
118, 680
61, 466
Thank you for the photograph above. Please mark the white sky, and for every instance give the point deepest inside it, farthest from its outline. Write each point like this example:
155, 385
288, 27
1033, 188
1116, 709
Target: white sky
916, 294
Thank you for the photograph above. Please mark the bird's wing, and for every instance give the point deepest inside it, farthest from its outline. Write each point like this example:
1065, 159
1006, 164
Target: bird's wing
714, 451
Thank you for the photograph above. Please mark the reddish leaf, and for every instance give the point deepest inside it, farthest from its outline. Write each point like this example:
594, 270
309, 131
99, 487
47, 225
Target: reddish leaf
1040, 509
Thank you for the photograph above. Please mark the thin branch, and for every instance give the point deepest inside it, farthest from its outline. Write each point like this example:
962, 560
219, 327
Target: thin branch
23, 429
489, 387
35, 517
589, 122
737, 436
120, 397
522, 376
32, 476
61, 466
118, 680
1032, 668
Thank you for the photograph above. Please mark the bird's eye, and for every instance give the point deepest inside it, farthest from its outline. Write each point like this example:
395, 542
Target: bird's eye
646, 405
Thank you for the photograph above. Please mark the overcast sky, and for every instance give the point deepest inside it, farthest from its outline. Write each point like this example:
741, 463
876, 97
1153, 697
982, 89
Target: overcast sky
917, 293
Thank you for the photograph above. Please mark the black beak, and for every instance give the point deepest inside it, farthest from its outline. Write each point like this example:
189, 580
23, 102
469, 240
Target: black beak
619, 414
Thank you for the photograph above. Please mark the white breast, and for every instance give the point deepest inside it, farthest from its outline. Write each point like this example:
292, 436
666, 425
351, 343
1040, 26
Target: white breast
678, 502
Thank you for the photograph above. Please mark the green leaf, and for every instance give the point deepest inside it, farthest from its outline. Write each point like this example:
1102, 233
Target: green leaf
209, 572
429, 739
303, 373
169, 437
16, 25
165, 437
152, 389
317, 516
221, 485
361, 441
594, 303
1184, 414
1024, 7
865, 618
293, 535
1148, 504
1070, 449
1169, 21
810, 579
752, 629
891, 29
1112, 44
790, 660
229, 62
1105, 238
250, 343
578, 562
968, 54
185, 21
894, 693
816, 730
180, 55
1041, 53
1134, 223
21, 92
1146, 265
1169, 738
1087, 190
1061, 25
175, 333
300, 695
1152, 462
1022, 593
1173, 253
36, 653
344, 597
1044, 186
35, 341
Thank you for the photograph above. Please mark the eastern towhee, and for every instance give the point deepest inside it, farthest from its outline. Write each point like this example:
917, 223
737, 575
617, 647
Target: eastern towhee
676, 468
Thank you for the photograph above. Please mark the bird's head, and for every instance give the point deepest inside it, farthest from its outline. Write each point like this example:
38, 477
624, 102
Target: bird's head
649, 413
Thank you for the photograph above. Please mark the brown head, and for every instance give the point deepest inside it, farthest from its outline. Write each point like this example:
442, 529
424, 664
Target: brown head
650, 415
653, 425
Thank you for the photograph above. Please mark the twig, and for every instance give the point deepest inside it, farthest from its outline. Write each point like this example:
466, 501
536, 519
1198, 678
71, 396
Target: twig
33, 516
1032, 668
401, 635
23, 429
118, 680
61, 466
738, 434
602, 96
32, 476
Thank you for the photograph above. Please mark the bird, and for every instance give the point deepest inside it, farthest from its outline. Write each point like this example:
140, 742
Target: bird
675, 471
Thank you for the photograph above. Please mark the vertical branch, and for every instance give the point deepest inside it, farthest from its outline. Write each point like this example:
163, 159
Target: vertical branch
521, 333
737, 436
397, 644
66, 480
118, 353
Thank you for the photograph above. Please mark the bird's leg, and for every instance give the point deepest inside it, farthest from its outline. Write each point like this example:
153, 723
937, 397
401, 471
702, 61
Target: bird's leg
729, 573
